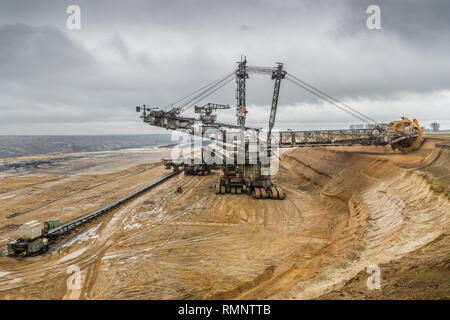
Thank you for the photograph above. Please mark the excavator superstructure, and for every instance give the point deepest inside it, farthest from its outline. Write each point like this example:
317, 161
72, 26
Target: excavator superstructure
245, 158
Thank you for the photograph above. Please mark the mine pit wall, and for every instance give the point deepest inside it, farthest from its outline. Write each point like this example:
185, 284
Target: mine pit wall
347, 207
380, 210
436, 171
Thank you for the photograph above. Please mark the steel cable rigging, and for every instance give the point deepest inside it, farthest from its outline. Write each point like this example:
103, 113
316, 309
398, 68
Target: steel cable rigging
193, 98
317, 92
201, 93
324, 96
207, 93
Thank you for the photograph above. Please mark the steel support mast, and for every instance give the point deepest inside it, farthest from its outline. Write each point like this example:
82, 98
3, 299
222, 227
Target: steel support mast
277, 75
241, 107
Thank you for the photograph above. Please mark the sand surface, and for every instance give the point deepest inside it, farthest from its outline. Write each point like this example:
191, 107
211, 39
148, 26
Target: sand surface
346, 208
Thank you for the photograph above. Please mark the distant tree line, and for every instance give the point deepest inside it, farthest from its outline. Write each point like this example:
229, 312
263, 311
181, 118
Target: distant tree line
435, 126
361, 126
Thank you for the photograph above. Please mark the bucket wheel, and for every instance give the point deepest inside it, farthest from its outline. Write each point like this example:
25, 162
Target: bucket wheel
405, 135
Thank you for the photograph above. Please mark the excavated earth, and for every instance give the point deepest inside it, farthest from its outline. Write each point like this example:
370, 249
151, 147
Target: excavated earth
346, 208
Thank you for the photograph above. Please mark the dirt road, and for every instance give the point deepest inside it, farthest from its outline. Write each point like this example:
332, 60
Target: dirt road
346, 209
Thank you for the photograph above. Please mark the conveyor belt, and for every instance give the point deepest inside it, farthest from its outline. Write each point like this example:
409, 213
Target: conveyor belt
66, 227
289, 139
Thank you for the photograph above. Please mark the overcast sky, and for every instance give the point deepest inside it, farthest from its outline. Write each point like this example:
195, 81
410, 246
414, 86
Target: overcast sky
59, 81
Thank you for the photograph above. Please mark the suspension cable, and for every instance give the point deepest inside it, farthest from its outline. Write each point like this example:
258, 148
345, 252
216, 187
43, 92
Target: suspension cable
263, 70
202, 88
206, 94
327, 99
315, 91
335, 101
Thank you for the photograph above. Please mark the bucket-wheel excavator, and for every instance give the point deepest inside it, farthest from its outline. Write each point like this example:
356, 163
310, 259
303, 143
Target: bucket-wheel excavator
243, 153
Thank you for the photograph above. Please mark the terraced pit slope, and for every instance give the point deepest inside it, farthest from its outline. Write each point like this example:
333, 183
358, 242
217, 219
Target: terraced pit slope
346, 208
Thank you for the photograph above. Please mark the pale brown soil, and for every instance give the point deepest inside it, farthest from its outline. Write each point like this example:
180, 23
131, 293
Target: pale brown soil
422, 274
346, 208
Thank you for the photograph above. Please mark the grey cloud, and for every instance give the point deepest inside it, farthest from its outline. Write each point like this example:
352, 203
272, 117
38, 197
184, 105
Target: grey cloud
414, 21
154, 52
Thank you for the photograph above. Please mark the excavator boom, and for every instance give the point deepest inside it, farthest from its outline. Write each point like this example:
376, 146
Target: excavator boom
253, 174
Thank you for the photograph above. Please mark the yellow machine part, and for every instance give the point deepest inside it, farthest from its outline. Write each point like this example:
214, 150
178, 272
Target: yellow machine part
405, 135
